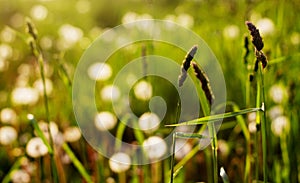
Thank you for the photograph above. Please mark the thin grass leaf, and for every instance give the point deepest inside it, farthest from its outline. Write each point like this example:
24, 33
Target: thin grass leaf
15, 166
214, 118
177, 171
40, 132
283, 59
189, 135
120, 131
224, 175
77, 163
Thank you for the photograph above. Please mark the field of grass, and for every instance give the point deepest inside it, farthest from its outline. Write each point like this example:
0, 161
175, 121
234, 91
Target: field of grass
42, 42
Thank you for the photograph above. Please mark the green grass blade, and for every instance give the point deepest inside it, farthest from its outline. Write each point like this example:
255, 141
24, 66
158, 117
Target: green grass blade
40, 132
189, 135
77, 163
120, 132
15, 166
224, 175
214, 118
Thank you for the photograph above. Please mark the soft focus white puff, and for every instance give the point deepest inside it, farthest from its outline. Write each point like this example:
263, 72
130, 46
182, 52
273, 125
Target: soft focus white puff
155, 147
119, 162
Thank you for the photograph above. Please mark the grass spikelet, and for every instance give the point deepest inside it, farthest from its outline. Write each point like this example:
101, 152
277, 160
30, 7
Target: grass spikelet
30, 29
258, 44
186, 64
256, 38
247, 51
202, 77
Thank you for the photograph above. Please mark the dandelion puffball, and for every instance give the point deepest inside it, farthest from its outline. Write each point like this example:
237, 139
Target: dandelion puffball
105, 121
280, 125
72, 134
8, 115
143, 90
110, 93
25, 96
20, 176
149, 122
278, 93
7, 135
36, 148
155, 147
119, 162
99, 71
39, 86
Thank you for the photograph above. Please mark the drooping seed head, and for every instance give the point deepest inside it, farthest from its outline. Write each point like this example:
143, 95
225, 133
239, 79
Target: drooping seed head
202, 77
256, 38
186, 65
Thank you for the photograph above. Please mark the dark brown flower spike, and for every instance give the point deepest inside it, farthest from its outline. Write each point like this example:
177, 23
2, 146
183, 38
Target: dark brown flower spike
256, 39
31, 29
262, 58
202, 77
247, 51
186, 65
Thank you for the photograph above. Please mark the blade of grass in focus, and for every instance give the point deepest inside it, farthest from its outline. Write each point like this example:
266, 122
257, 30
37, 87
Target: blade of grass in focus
77, 163
214, 118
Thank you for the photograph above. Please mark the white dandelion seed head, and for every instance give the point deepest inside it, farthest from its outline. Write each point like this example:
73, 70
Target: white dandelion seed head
69, 36
8, 116
149, 122
182, 148
223, 148
8, 135
280, 125
24, 96
251, 117
252, 127
20, 176
39, 12
275, 111
110, 93
45, 129
36, 148
278, 93
185, 20
231, 31
72, 134
6, 51
119, 162
105, 121
100, 71
155, 147
7, 35
265, 26
129, 17
39, 86
143, 90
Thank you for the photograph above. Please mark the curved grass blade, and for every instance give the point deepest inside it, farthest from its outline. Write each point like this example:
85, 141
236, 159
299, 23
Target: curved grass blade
214, 118
224, 175
77, 163
40, 132
189, 135
15, 166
